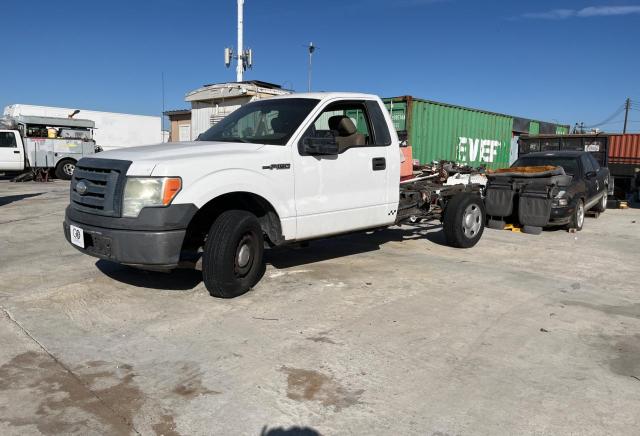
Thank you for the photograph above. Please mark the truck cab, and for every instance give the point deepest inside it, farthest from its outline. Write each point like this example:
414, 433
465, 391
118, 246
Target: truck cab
12, 157
275, 171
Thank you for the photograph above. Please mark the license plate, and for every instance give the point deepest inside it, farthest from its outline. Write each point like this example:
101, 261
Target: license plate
77, 236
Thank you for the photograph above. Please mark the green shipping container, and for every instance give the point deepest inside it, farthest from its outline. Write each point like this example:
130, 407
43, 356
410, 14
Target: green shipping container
440, 131
534, 128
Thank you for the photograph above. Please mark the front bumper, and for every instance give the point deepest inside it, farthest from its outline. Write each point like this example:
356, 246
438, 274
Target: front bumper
153, 240
561, 215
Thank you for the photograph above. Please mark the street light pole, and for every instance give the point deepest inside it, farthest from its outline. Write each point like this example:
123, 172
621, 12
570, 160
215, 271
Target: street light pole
311, 48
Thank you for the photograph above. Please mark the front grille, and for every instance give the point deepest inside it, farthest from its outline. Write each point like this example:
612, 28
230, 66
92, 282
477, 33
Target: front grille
105, 180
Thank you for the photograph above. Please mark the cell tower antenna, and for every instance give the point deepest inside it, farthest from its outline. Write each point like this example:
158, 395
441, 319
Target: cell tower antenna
244, 57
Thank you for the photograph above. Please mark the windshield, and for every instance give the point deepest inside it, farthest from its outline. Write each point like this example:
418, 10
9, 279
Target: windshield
569, 164
262, 122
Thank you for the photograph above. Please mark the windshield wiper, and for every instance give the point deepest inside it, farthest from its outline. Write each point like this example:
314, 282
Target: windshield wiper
229, 139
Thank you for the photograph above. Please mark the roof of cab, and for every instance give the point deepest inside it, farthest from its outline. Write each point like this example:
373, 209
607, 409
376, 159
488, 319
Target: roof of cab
327, 95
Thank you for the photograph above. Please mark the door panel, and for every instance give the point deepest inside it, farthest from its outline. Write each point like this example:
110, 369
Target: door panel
11, 152
340, 193
184, 132
590, 182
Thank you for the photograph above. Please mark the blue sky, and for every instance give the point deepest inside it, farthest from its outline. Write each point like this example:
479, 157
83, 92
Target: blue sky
562, 60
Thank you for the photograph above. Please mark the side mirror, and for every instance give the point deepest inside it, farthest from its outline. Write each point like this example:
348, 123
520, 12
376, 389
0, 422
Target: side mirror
319, 146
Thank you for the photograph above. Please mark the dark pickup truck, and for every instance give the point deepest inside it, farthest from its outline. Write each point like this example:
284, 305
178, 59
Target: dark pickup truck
559, 195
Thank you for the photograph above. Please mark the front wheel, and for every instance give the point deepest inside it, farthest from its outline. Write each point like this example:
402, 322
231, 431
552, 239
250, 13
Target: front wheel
577, 219
232, 259
65, 169
463, 221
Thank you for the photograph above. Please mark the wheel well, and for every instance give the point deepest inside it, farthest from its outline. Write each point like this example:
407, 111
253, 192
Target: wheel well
66, 159
257, 205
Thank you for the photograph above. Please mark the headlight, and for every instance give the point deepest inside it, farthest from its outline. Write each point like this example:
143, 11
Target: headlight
142, 192
560, 199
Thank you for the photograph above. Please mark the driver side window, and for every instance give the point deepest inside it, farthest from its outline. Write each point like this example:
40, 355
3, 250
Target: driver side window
346, 122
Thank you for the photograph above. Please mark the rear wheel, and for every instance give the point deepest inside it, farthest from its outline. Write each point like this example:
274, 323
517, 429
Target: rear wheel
232, 259
463, 221
602, 204
65, 169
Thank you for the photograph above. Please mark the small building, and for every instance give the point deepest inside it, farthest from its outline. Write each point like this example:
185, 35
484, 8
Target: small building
180, 125
213, 102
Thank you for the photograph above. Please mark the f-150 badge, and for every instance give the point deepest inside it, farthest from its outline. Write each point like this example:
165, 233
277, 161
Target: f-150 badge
281, 166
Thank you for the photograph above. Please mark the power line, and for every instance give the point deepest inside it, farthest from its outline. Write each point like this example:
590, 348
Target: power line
605, 121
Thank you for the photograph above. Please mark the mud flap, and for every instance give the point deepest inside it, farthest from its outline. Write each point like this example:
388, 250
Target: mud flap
499, 200
534, 208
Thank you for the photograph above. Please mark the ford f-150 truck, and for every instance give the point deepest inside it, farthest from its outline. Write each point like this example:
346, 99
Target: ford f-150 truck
275, 171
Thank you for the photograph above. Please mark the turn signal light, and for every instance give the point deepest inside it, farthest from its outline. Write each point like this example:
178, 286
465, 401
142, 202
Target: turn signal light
172, 186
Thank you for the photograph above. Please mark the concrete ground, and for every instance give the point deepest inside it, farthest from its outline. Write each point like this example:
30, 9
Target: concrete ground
386, 333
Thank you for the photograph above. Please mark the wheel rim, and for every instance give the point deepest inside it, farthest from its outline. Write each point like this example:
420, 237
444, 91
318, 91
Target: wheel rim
245, 253
604, 200
471, 221
68, 169
580, 215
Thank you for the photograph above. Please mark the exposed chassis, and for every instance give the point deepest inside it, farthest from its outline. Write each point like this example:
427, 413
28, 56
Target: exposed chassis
425, 199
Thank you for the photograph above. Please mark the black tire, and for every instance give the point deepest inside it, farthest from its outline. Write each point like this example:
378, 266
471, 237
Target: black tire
577, 219
496, 224
602, 204
65, 169
532, 230
228, 270
463, 220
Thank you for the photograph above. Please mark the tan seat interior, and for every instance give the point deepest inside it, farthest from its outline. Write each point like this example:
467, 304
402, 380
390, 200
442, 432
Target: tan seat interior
348, 135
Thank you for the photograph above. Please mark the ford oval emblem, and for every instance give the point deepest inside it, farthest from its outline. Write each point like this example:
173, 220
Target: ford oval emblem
81, 187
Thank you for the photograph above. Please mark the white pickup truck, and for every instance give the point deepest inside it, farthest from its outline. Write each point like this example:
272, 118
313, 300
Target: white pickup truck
275, 171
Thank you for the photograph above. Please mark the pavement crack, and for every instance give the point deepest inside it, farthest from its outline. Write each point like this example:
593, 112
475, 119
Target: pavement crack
31, 218
68, 370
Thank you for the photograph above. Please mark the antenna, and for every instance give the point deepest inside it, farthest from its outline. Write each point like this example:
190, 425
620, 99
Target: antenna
312, 48
244, 57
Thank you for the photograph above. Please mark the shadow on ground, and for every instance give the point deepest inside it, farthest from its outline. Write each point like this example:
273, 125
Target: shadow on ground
7, 199
347, 245
187, 278
291, 431
177, 280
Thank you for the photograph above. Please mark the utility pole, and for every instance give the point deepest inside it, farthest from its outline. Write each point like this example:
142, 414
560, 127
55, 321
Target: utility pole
627, 106
311, 49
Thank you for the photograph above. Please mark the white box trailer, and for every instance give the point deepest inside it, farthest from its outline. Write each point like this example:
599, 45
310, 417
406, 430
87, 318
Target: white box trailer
112, 130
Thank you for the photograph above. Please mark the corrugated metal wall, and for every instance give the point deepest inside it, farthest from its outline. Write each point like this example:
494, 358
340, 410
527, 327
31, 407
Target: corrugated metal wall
624, 149
440, 131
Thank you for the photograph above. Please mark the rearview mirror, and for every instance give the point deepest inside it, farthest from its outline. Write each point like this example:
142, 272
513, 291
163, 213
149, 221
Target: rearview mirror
319, 146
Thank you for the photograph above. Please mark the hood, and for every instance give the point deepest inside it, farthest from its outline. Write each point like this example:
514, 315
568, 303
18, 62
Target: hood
154, 154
